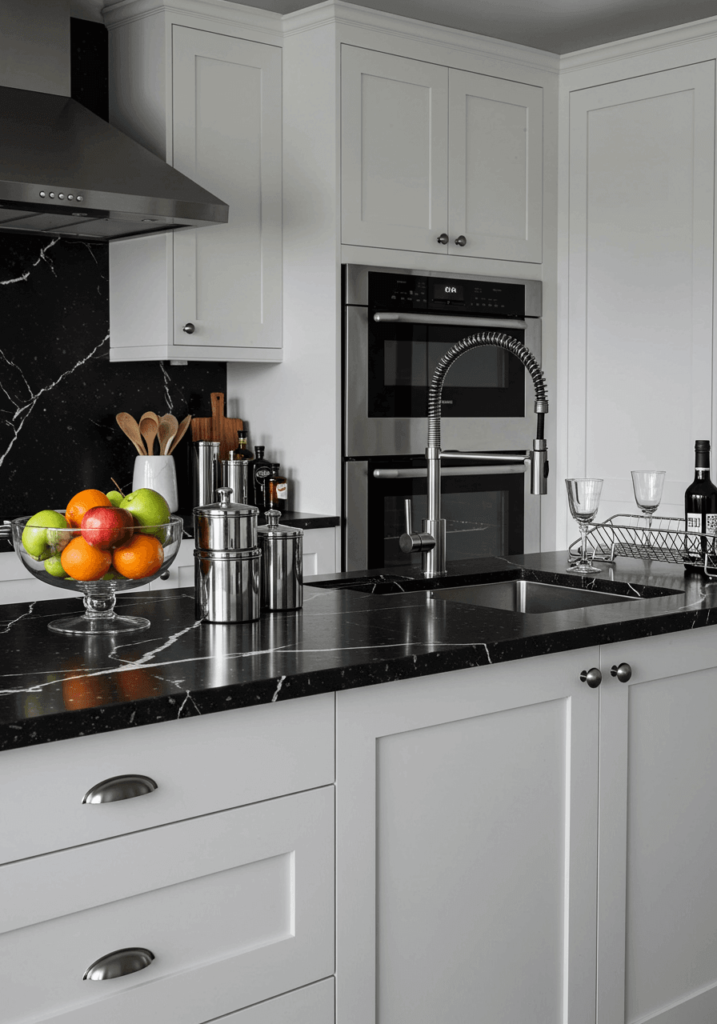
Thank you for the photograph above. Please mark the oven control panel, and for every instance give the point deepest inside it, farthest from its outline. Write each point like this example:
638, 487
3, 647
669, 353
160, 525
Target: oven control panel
394, 292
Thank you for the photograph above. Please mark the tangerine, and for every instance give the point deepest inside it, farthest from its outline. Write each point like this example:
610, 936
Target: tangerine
140, 557
83, 562
82, 502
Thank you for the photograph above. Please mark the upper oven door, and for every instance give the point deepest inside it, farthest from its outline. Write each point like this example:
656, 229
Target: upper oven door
389, 360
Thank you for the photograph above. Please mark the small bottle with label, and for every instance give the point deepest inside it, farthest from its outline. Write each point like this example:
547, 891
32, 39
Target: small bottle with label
241, 453
700, 511
262, 470
277, 489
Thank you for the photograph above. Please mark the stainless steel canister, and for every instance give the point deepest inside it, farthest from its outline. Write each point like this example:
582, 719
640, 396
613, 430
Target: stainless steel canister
225, 525
235, 474
205, 471
282, 564
227, 585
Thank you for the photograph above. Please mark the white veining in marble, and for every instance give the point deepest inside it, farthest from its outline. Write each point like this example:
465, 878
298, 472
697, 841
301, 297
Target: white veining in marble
42, 258
8, 625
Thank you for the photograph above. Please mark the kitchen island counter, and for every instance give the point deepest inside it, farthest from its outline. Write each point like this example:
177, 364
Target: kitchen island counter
56, 687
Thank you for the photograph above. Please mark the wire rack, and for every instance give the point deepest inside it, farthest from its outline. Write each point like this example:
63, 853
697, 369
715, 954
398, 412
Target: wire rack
666, 540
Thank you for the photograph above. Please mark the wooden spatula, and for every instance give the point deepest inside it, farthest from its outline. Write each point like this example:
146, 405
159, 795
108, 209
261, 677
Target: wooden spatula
148, 428
129, 426
180, 433
168, 426
218, 428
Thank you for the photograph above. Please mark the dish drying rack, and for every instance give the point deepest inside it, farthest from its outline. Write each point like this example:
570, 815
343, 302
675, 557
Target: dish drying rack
666, 540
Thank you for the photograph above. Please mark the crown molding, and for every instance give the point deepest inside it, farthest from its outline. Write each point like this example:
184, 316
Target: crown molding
347, 15
649, 42
224, 12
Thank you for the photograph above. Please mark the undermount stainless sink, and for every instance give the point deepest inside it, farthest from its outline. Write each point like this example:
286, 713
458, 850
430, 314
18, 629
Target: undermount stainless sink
527, 596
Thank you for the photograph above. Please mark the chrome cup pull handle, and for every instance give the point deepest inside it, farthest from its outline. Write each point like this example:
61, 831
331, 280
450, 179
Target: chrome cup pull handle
118, 964
119, 787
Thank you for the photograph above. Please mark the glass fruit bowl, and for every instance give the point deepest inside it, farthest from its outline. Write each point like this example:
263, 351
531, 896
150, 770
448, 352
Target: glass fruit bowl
98, 563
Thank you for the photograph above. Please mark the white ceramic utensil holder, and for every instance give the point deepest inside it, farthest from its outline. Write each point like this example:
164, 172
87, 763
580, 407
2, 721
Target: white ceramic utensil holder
157, 472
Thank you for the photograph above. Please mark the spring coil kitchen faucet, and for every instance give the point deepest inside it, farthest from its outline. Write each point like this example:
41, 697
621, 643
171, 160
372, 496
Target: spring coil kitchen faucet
431, 542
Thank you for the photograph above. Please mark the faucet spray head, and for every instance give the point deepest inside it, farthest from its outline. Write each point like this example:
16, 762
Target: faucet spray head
539, 467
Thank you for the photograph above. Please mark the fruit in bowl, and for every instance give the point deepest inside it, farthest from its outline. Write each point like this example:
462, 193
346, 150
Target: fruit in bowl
149, 509
106, 528
44, 534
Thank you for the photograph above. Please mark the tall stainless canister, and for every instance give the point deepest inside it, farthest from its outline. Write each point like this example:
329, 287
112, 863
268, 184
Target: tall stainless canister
235, 474
282, 564
227, 561
205, 471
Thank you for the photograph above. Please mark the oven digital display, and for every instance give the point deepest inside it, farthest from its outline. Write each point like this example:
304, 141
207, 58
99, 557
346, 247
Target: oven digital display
447, 291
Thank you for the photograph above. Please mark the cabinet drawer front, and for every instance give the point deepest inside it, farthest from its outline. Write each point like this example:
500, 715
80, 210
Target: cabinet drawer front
235, 908
311, 1005
200, 764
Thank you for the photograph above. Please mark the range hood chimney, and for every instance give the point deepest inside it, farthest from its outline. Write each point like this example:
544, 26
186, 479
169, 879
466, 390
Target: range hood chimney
63, 170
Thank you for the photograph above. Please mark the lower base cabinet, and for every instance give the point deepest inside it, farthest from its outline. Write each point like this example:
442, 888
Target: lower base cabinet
311, 1005
467, 846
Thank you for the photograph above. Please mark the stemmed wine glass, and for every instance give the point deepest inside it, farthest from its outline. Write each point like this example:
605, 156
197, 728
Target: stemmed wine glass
647, 485
584, 499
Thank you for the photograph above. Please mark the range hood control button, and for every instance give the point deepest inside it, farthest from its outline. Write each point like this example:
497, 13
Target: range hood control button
79, 199
42, 194
52, 195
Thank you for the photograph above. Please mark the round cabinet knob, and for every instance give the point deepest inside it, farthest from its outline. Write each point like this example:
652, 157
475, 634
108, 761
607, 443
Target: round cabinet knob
164, 575
442, 239
118, 964
592, 676
188, 328
461, 240
623, 672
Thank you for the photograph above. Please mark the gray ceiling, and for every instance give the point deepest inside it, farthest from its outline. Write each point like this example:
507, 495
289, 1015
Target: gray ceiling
556, 25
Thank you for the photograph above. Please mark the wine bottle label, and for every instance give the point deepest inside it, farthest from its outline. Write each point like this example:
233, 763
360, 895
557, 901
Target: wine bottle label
282, 492
694, 522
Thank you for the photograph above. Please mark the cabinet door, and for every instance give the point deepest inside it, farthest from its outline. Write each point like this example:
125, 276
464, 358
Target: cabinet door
227, 137
641, 235
311, 1005
495, 167
394, 138
466, 846
657, 899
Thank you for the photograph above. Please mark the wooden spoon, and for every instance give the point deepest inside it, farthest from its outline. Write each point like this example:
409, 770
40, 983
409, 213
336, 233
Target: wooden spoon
128, 425
148, 428
168, 425
180, 433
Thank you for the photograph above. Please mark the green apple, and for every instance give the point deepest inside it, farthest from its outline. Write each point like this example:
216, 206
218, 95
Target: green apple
44, 531
54, 567
113, 575
149, 509
116, 498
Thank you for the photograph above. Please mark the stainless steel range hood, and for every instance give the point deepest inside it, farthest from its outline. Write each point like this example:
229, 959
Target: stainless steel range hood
63, 169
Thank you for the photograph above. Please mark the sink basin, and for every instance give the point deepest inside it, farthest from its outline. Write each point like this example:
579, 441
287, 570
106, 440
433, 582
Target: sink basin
527, 596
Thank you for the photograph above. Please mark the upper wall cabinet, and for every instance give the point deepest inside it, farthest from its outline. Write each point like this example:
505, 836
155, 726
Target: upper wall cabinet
212, 293
439, 160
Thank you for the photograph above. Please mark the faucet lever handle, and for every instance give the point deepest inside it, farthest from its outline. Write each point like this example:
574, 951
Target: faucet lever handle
408, 508
410, 541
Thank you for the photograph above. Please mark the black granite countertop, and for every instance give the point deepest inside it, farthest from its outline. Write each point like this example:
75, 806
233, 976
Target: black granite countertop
55, 687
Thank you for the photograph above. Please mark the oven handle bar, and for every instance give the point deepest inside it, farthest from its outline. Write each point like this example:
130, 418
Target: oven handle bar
449, 321
418, 474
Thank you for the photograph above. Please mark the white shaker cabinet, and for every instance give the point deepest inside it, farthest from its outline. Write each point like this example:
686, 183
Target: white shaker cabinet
212, 293
439, 160
657, 930
467, 845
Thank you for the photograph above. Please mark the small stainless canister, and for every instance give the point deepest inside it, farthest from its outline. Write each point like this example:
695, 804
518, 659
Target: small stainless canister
235, 474
225, 525
205, 471
226, 561
282, 564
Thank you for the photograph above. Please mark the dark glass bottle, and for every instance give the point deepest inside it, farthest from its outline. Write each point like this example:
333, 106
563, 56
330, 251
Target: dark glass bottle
277, 489
261, 470
700, 510
241, 453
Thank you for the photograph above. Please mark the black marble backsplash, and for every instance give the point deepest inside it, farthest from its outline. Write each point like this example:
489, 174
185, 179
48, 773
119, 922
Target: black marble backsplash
59, 393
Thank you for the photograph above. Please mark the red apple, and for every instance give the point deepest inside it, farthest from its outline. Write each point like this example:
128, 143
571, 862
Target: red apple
107, 527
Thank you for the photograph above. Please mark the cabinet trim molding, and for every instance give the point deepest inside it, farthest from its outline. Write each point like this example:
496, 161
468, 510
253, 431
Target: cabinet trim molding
219, 11
649, 42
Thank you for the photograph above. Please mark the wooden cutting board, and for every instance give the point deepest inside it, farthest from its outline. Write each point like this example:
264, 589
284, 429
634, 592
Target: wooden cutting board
218, 428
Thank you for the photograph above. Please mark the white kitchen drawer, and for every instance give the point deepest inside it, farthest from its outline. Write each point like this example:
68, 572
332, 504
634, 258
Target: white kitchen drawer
311, 1005
200, 764
235, 908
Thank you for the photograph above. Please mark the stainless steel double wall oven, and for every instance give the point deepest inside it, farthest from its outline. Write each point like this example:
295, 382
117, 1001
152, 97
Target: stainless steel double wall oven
397, 325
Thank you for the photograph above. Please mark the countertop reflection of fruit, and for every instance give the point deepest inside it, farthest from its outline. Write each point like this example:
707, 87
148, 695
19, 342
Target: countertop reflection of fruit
106, 528
35, 537
83, 562
140, 557
82, 502
116, 498
149, 509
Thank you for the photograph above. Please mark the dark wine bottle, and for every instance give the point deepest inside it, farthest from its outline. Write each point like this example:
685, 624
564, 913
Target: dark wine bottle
700, 511
261, 470
241, 453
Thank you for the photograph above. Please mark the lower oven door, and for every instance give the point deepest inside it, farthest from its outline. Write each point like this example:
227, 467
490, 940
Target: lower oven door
488, 508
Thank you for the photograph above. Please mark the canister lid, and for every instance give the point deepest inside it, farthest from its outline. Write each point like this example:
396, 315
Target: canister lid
226, 509
273, 529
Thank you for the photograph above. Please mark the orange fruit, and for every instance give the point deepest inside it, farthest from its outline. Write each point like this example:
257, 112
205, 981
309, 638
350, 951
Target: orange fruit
83, 562
82, 502
142, 556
